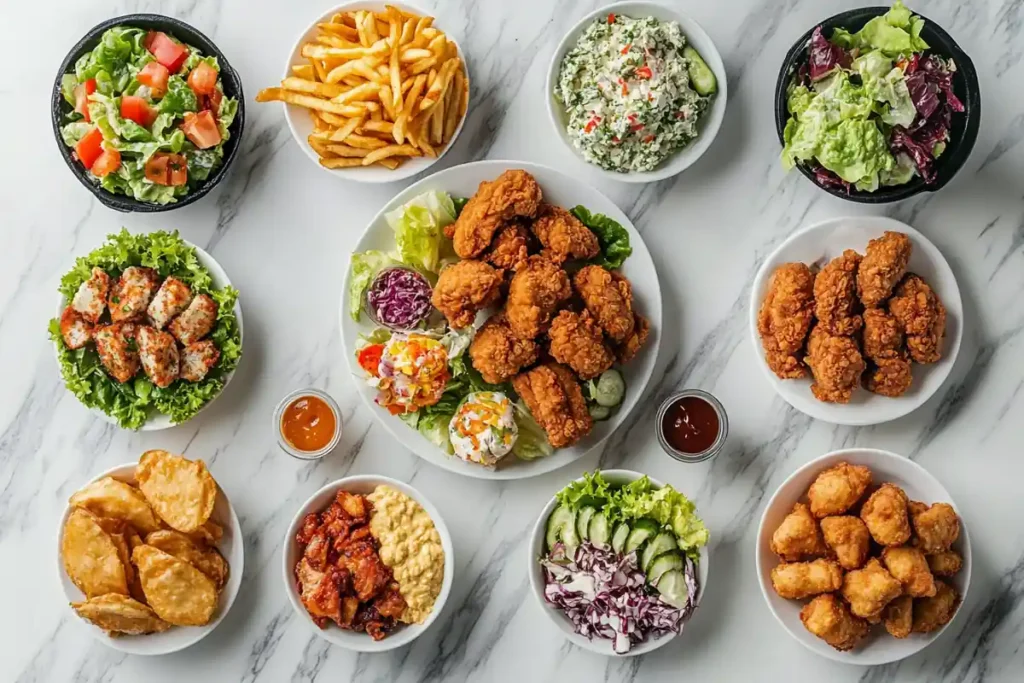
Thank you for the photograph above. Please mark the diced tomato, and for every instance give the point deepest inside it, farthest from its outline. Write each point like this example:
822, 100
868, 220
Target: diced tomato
108, 162
369, 358
167, 169
82, 92
167, 52
626, 47
644, 72
138, 110
90, 147
177, 169
201, 129
615, 138
611, 18
592, 124
637, 126
649, 138
212, 102
203, 79
154, 75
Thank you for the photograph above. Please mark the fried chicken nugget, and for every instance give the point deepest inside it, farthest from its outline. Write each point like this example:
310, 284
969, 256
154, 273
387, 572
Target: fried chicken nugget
510, 248
909, 566
798, 580
937, 611
886, 516
836, 363
884, 263
890, 377
947, 563
870, 589
464, 288
798, 535
514, 193
828, 618
899, 616
785, 318
563, 235
883, 334
848, 538
936, 528
497, 354
634, 342
838, 489
576, 341
609, 298
923, 317
835, 295
556, 402
537, 289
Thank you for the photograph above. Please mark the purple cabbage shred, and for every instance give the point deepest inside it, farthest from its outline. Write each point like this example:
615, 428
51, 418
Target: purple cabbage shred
399, 298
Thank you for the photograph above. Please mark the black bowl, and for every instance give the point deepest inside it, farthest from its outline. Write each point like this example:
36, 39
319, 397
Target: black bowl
230, 82
962, 134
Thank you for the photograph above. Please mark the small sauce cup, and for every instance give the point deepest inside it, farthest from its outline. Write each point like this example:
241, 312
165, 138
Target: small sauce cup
279, 424
696, 417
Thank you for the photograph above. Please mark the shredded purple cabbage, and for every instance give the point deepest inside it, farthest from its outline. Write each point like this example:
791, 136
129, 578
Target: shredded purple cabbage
606, 595
824, 56
399, 298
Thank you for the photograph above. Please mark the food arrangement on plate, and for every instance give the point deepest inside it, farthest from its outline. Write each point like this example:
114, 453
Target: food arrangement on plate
149, 303
380, 87
144, 551
483, 338
867, 558
859, 319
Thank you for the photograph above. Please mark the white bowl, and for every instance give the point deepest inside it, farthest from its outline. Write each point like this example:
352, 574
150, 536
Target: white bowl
710, 122
920, 485
536, 574
301, 125
824, 241
158, 421
231, 546
564, 191
352, 640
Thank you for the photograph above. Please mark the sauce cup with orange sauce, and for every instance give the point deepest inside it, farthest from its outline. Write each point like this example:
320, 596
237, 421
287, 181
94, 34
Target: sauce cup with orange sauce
308, 424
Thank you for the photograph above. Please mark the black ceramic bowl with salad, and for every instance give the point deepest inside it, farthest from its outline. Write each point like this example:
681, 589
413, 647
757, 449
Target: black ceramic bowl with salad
877, 104
147, 113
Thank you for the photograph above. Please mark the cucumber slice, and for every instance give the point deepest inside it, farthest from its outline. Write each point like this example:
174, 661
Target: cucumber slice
556, 521
569, 536
665, 562
620, 536
662, 543
599, 412
599, 532
643, 529
583, 521
672, 587
701, 76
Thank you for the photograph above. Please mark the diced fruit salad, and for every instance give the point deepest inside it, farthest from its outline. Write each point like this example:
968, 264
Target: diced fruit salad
621, 560
148, 116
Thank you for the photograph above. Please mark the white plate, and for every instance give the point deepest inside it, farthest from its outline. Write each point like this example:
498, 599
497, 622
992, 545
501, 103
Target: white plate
558, 189
301, 125
536, 574
919, 485
710, 121
158, 421
352, 640
231, 546
824, 241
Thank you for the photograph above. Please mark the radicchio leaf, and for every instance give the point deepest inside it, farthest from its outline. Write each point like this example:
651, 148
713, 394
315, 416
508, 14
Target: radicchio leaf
824, 56
901, 141
827, 178
939, 74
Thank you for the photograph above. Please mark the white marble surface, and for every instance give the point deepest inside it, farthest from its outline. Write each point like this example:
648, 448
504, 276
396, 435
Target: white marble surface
283, 230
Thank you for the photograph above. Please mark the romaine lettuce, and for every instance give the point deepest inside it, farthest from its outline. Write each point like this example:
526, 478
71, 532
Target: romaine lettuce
419, 229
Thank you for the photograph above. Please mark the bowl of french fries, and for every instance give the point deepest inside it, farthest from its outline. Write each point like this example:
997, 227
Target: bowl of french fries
374, 92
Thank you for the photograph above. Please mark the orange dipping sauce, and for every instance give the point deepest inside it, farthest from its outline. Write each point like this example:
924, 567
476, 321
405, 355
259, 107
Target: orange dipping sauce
308, 424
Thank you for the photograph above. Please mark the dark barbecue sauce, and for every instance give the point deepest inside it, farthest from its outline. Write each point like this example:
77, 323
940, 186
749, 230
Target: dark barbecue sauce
690, 425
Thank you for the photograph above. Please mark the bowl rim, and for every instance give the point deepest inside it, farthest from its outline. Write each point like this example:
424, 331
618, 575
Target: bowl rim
224, 601
360, 642
677, 162
124, 203
559, 621
972, 106
371, 175
850, 454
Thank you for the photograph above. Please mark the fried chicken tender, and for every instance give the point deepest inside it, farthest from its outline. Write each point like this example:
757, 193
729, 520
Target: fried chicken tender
634, 342
798, 580
510, 248
537, 289
936, 528
909, 566
835, 295
899, 615
885, 514
785, 318
464, 288
556, 402
884, 263
828, 618
947, 563
514, 193
798, 536
609, 298
923, 317
563, 235
576, 341
890, 377
848, 538
937, 611
497, 354
838, 489
870, 589
883, 334
836, 364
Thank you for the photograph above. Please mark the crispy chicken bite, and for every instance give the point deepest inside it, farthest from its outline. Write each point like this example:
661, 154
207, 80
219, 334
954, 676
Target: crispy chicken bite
883, 334
497, 353
936, 528
785, 317
576, 341
197, 359
836, 364
884, 263
885, 514
556, 402
798, 580
798, 536
117, 350
888, 373
935, 612
918, 309
910, 568
513, 193
609, 298
537, 289
946, 563
563, 235
131, 294
835, 295
870, 589
838, 489
464, 288
74, 328
91, 298
635, 341
828, 618
510, 248
172, 298
899, 615
159, 355
848, 538
890, 377
196, 321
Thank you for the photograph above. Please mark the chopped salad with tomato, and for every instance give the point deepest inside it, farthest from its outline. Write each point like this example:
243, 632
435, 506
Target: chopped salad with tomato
149, 117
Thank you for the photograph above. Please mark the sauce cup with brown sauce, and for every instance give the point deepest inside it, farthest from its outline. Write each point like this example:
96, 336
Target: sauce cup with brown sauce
692, 426
308, 424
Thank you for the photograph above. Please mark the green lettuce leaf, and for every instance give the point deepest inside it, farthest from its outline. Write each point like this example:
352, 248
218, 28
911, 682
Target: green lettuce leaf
365, 266
74, 131
179, 98
419, 229
532, 442
896, 33
612, 237
856, 151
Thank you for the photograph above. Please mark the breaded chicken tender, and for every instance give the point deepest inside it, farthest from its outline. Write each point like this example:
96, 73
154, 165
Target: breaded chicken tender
159, 355
131, 294
510, 248
828, 618
172, 298
909, 566
870, 589
883, 334
884, 263
936, 528
890, 377
497, 354
74, 328
196, 321
923, 317
886, 516
836, 364
625, 351
514, 193
563, 236
798, 580
536, 290
556, 402
785, 318
935, 612
609, 298
899, 616
576, 341
835, 295
946, 563
848, 539
798, 536
198, 359
464, 288
838, 489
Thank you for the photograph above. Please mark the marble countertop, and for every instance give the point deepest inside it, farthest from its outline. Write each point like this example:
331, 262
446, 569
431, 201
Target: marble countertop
283, 231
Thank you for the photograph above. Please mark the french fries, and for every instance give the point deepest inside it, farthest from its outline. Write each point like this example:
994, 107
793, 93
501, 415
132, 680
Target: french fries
381, 87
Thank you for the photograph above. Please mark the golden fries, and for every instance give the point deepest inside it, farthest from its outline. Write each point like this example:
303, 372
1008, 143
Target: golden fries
380, 86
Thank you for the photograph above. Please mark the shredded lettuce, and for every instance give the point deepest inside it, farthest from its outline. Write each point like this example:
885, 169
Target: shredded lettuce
418, 226
613, 238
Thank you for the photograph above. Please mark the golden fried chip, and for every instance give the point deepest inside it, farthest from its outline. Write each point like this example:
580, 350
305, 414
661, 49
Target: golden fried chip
181, 491
178, 592
207, 560
119, 530
119, 614
207, 534
91, 557
109, 497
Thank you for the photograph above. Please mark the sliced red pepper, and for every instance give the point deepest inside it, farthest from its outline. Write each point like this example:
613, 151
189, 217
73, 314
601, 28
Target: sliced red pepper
644, 72
611, 18
625, 48
649, 138
637, 126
